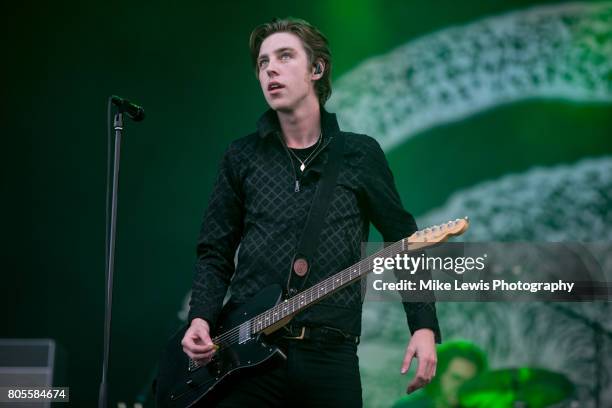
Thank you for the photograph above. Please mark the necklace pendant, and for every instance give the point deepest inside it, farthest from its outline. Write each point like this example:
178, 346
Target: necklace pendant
302, 167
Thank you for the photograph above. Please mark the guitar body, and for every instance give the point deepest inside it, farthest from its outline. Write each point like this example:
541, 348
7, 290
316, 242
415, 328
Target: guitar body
177, 386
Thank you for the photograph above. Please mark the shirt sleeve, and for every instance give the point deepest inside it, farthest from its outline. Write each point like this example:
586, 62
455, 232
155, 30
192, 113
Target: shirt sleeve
386, 212
219, 237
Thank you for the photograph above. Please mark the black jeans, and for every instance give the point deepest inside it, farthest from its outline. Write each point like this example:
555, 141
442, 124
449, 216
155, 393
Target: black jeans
315, 374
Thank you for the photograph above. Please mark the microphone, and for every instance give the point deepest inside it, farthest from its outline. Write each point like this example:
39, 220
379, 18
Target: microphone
135, 112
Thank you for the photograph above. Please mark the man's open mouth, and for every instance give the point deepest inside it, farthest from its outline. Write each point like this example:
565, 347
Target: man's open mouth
272, 86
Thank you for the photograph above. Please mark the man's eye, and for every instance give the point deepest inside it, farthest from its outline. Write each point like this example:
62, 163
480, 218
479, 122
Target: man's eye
262, 63
285, 55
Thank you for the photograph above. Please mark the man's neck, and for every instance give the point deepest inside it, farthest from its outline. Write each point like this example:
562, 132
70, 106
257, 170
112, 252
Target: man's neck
302, 126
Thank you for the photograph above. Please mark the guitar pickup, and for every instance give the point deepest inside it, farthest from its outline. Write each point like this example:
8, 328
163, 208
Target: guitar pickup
244, 332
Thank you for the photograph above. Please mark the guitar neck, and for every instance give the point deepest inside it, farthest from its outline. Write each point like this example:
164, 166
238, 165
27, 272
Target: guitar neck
418, 240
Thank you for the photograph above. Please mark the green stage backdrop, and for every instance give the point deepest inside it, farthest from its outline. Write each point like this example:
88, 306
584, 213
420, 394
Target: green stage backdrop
497, 110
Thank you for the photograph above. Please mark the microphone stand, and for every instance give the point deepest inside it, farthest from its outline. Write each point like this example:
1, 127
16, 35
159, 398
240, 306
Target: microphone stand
110, 260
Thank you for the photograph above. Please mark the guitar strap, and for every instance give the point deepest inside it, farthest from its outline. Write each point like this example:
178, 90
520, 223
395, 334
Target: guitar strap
305, 253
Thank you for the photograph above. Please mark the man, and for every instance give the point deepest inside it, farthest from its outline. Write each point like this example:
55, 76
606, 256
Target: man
458, 362
266, 184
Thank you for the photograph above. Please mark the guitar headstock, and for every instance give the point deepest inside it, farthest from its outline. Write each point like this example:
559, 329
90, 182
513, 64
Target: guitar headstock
441, 232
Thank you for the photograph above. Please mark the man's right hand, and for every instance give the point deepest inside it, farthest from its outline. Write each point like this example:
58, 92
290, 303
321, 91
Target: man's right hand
197, 343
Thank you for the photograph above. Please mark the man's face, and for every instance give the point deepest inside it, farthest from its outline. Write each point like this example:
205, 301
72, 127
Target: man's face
284, 72
458, 372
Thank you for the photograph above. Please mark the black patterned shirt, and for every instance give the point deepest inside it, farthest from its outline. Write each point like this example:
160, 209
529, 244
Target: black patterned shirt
259, 207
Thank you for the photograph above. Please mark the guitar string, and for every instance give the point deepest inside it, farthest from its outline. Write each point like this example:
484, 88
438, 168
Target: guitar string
233, 335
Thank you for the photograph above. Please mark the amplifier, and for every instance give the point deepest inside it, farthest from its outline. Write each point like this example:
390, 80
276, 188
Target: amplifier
27, 363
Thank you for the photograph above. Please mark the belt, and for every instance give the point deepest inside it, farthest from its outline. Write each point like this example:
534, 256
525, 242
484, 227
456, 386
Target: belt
323, 333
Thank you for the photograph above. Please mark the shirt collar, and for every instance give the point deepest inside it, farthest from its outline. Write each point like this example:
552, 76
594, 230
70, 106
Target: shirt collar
268, 123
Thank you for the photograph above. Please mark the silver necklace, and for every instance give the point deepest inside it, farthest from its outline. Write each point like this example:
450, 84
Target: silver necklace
304, 163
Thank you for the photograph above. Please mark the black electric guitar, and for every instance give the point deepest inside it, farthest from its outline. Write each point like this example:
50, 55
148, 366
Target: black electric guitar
241, 333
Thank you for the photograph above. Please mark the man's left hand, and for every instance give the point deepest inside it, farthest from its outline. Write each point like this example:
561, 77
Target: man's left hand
422, 345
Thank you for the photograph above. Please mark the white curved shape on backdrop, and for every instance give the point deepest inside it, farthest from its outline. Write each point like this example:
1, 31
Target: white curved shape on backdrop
567, 202
554, 51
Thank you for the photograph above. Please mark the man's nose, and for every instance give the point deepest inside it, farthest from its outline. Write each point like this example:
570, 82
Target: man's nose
271, 73
271, 70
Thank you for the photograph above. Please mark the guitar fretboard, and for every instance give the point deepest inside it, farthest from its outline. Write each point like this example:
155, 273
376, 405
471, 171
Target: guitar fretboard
325, 288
